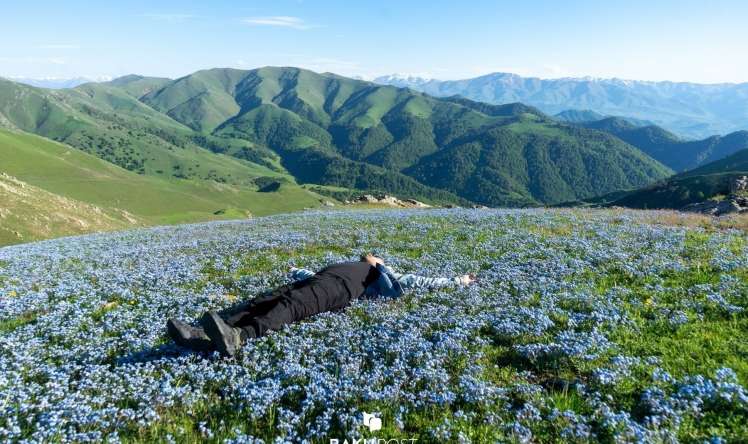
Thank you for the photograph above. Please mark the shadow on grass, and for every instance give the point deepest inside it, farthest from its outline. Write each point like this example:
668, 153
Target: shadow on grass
157, 353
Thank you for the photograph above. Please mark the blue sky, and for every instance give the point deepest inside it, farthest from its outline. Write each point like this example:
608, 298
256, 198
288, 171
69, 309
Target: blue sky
650, 40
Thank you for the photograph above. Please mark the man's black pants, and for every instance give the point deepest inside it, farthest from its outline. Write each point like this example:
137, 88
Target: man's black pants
289, 303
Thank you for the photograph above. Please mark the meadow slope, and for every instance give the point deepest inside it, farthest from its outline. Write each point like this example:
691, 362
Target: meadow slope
29, 213
62, 173
584, 326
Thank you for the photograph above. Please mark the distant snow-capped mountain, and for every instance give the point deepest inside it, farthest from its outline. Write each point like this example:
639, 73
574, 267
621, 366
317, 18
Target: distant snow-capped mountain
402, 80
58, 83
692, 110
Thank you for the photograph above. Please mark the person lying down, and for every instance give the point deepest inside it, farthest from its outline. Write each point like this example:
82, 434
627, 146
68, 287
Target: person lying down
331, 289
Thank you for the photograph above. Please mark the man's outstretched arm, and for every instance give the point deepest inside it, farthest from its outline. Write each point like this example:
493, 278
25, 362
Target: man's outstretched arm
413, 281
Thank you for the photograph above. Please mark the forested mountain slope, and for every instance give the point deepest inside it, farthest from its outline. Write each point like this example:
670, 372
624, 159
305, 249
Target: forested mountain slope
331, 121
676, 153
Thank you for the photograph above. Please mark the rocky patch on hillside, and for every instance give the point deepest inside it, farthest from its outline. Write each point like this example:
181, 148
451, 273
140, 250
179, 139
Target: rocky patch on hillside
386, 199
735, 202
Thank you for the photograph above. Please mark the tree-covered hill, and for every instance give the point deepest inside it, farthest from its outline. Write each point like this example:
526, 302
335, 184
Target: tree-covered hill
527, 163
676, 153
233, 126
710, 181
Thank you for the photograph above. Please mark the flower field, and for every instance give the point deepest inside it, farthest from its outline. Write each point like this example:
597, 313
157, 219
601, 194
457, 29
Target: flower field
584, 326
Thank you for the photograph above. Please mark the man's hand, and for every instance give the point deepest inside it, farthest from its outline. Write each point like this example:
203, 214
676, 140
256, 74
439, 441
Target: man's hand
373, 260
467, 279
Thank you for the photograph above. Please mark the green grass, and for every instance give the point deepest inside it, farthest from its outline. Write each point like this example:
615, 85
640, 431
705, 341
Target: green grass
29, 317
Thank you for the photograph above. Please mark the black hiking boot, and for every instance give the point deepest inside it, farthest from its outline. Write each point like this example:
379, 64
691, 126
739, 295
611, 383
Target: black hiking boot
226, 339
188, 336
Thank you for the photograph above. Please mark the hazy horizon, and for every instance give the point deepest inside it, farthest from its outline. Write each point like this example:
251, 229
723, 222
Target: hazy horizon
106, 78
683, 41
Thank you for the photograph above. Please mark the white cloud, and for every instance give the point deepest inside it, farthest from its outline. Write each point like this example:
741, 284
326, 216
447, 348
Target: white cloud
282, 21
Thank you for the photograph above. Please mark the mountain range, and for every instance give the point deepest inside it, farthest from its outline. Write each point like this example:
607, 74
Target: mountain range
57, 82
224, 143
240, 127
690, 110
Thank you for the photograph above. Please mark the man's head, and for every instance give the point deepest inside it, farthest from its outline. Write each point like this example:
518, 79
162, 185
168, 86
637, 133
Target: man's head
371, 259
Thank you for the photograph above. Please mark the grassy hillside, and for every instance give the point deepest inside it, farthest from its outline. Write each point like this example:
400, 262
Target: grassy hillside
678, 154
72, 174
105, 120
347, 128
29, 213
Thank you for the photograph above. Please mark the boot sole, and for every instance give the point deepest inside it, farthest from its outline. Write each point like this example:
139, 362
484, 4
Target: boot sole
180, 338
220, 333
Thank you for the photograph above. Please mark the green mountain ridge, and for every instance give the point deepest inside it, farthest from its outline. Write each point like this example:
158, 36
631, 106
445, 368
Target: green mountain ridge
689, 109
669, 149
235, 126
332, 119
108, 122
137, 85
